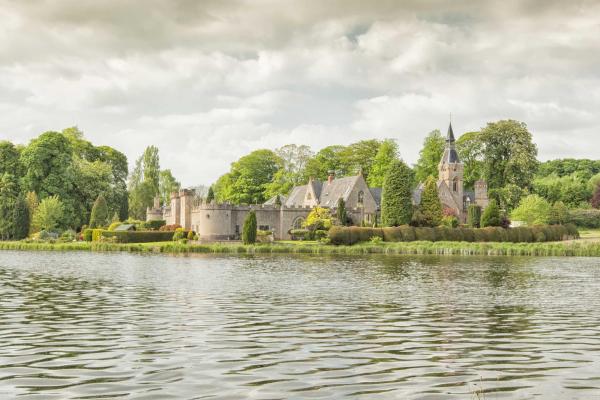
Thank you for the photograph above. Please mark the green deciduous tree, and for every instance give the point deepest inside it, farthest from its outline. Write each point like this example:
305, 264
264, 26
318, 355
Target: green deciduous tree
396, 203
99, 215
491, 215
559, 214
32, 204
431, 208
430, 156
330, 158
470, 150
144, 183
168, 184
249, 229
49, 214
9, 192
248, 180
384, 159
509, 154
533, 210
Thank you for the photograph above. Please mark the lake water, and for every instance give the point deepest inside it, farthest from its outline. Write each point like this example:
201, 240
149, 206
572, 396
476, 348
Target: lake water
88, 326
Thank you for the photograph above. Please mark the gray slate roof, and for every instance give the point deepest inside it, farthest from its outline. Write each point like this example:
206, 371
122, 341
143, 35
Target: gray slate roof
338, 188
296, 196
125, 227
376, 193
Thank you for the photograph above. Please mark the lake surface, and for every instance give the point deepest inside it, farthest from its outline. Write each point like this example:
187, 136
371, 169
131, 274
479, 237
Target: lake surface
88, 326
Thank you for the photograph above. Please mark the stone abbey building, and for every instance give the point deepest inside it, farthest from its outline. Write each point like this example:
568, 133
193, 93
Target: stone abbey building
224, 221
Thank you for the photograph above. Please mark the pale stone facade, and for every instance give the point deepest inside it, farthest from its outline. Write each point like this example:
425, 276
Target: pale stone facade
224, 221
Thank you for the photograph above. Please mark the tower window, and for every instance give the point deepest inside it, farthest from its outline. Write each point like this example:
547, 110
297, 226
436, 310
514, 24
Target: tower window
455, 185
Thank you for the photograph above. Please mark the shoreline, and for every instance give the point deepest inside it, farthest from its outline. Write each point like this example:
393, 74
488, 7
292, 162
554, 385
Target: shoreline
579, 248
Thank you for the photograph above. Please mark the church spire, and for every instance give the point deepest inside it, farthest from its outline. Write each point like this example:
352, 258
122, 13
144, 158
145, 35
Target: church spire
450, 135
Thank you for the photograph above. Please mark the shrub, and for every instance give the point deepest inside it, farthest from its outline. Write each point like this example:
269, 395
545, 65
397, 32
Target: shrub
190, 235
87, 235
179, 234
169, 228
585, 218
318, 219
450, 221
559, 214
491, 215
474, 216
114, 226
154, 225
99, 215
138, 236
319, 234
249, 229
351, 235
96, 235
299, 234
68, 236
376, 240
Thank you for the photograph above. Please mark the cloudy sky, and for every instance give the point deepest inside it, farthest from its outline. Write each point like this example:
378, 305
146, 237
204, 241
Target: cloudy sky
209, 81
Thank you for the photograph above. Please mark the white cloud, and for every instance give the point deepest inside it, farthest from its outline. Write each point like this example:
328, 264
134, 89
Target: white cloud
210, 81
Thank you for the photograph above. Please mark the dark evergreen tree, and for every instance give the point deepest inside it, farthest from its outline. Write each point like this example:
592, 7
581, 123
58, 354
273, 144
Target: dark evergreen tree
22, 219
430, 204
249, 229
474, 216
99, 216
596, 197
396, 203
210, 195
341, 214
491, 215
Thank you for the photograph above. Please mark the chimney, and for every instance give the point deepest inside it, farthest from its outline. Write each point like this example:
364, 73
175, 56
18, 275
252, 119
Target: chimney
331, 176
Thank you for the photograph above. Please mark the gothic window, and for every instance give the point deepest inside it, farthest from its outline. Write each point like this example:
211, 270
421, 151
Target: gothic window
308, 196
455, 185
298, 223
361, 197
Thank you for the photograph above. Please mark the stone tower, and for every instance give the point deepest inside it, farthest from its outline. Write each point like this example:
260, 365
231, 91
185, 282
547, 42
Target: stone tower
451, 173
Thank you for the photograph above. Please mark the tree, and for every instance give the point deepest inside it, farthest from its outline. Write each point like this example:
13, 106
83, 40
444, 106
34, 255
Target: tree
474, 216
99, 216
49, 214
559, 214
22, 219
249, 229
491, 215
341, 214
249, 178
151, 164
396, 203
384, 159
596, 198
509, 154
318, 219
293, 162
359, 157
533, 210
168, 184
32, 205
430, 156
430, 203
144, 183
211, 195
9, 192
509, 196
48, 167
90, 180
9, 159
118, 198
469, 147
326, 160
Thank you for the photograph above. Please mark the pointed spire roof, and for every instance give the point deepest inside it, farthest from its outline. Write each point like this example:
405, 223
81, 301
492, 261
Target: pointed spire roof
450, 154
450, 135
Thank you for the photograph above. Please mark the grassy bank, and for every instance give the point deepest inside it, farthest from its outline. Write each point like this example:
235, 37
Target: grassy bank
573, 248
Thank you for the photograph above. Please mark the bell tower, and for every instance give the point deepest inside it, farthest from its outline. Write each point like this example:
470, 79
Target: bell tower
451, 171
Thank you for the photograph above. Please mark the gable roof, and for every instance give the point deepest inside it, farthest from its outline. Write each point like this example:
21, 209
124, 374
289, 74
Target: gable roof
125, 227
336, 189
296, 196
376, 193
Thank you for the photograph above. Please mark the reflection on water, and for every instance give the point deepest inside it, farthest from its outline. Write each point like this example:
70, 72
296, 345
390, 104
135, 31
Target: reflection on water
84, 326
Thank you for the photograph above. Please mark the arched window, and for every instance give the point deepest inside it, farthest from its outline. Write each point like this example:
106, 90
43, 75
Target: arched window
298, 222
308, 196
361, 197
455, 185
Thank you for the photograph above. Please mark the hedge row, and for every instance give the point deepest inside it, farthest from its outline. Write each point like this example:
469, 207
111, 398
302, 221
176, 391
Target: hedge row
96, 235
405, 233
